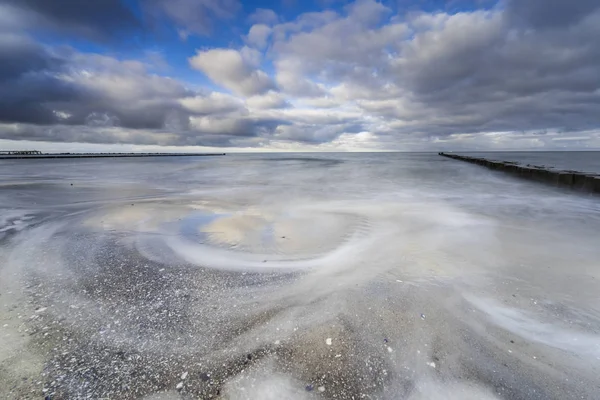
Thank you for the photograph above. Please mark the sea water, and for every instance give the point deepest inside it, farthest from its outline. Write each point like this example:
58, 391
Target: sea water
300, 276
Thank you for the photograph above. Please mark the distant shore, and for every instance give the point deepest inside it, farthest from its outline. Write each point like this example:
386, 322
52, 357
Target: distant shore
104, 155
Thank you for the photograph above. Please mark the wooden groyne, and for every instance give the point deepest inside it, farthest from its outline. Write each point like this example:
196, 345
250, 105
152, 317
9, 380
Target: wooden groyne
574, 180
103, 155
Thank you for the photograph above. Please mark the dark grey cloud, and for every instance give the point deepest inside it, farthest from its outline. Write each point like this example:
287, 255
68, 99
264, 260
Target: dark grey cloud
19, 55
26, 83
101, 129
39, 87
83, 134
109, 20
66, 96
480, 73
549, 13
93, 19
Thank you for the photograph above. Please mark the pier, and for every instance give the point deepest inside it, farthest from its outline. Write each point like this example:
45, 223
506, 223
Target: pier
574, 180
12, 155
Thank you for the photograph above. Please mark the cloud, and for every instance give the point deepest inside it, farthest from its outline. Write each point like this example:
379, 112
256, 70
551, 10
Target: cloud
97, 20
362, 141
318, 117
269, 100
263, 16
56, 91
24, 80
258, 36
549, 13
85, 134
306, 133
290, 77
213, 104
67, 96
438, 75
123, 89
474, 72
210, 131
520, 74
221, 125
321, 102
315, 134
327, 47
229, 69
306, 125
192, 16
111, 20
21, 55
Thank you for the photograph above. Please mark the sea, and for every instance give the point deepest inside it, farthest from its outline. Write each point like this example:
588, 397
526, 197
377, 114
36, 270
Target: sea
297, 276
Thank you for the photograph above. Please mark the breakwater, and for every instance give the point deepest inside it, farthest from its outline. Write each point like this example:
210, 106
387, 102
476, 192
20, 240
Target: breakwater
574, 180
104, 155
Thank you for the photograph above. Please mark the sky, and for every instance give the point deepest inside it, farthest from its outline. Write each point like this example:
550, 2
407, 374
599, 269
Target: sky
299, 75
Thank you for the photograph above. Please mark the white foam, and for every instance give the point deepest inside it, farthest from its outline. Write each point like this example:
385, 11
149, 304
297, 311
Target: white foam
522, 323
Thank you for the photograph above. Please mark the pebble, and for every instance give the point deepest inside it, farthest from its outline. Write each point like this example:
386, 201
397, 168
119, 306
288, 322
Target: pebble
184, 375
179, 386
321, 389
328, 341
431, 364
